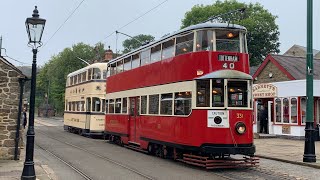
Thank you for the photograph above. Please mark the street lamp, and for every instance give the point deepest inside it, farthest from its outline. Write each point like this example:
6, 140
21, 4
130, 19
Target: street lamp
35, 27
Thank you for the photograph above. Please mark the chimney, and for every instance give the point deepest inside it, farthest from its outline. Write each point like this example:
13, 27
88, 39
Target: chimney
108, 55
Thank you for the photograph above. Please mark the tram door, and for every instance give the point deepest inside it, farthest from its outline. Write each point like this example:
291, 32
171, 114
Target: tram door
133, 118
88, 114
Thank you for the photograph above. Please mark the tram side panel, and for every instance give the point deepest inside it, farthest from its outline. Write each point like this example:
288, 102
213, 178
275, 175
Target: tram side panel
75, 120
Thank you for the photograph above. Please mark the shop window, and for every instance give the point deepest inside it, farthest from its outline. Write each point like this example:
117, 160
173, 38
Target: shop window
217, 93
154, 104
294, 110
184, 44
135, 61
278, 110
143, 104
303, 103
156, 53
237, 94
111, 105
168, 49
203, 93
118, 106
182, 103
285, 113
204, 40
166, 104
124, 105
227, 41
145, 57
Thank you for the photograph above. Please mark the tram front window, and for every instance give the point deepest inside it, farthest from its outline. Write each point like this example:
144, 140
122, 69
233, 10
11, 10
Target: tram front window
237, 94
203, 93
217, 93
227, 41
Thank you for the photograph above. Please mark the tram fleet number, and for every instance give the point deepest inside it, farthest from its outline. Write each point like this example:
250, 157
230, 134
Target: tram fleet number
229, 60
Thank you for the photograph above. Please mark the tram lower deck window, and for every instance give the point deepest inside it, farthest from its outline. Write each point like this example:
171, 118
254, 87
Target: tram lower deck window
237, 94
203, 93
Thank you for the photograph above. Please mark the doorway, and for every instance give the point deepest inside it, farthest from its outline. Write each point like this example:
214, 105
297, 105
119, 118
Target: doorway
133, 118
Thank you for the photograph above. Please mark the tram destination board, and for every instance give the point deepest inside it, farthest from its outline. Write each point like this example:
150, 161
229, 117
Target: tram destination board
228, 58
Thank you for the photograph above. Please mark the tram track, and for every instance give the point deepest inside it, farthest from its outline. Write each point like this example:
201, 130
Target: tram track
95, 155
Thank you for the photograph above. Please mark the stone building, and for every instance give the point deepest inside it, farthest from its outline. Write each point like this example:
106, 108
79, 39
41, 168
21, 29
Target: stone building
300, 51
9, 103
280, 86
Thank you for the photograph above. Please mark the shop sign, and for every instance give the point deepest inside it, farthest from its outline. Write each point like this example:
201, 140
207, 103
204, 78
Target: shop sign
286, 129
264, 91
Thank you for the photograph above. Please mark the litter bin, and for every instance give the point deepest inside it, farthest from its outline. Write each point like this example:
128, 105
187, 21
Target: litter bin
317, 133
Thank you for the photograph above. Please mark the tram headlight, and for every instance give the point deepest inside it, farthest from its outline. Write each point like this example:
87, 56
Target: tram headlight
217, 120
241, 128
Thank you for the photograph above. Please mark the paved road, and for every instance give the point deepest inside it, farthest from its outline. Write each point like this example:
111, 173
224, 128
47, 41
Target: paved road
92, 157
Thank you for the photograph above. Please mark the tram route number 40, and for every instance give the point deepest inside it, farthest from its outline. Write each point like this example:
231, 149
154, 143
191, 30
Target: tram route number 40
228, 65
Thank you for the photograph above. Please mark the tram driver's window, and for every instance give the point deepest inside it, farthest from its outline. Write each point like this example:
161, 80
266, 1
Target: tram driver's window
217, 93
237, 94
227, 41
204, 40
203, 93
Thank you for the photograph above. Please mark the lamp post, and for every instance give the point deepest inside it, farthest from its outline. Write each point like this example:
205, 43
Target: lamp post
35, 27
309, 146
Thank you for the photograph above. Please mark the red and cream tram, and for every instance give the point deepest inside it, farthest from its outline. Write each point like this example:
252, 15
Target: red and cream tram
186, 96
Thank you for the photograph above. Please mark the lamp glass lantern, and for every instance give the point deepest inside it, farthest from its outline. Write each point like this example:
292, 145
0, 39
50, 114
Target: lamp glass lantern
35, 27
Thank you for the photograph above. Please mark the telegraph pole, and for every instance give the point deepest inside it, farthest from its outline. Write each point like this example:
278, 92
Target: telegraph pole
309, 146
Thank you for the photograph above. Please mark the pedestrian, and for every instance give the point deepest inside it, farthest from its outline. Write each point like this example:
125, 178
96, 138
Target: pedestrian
24, 117
263, 115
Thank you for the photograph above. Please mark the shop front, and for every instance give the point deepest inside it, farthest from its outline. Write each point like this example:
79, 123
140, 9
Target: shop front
285, 103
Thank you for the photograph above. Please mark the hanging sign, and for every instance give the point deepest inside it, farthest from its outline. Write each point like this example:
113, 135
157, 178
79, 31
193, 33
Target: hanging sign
264, 91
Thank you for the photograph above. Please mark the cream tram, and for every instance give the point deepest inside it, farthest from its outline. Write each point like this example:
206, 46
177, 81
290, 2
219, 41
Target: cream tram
85, 100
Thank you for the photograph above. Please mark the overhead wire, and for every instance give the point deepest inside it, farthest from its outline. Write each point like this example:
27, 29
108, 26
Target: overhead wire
6, 55
135, 19
63, 23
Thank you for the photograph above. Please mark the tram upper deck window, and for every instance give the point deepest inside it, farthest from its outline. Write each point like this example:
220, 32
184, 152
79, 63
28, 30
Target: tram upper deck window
204, 40
75, 78
96, 73
237, 94
227, 40
71, 81
217, 93
113, 69
203, 93
135, 61
84, 76
168, 49
156, 53
145, 57
127, 64
184, 44
104, 74
89, 74
79, 78
120, 66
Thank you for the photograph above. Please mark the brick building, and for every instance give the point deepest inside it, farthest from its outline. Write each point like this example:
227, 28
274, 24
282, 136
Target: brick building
280, 86
9, 102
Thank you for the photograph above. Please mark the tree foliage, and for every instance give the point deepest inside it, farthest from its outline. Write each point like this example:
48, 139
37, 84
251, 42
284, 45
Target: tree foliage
52, 77
263, 32
135, 42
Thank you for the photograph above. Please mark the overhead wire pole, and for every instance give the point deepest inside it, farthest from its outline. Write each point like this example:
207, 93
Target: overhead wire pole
309, 146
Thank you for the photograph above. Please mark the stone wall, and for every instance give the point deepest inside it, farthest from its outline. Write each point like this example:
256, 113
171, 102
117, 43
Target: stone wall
277, 74
9, 101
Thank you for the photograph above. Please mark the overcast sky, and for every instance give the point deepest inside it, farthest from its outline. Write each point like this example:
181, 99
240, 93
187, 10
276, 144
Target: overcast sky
94, 20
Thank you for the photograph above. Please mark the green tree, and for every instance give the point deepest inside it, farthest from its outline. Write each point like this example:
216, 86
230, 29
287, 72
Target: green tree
263, 32
135, 42
52, 77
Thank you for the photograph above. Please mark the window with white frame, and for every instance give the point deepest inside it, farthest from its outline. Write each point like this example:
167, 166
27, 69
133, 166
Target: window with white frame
143, 104
303, 105
278, 110
294, 110
285, 108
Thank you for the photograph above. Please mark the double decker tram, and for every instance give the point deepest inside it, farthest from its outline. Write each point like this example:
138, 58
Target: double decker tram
85, 100
186, 97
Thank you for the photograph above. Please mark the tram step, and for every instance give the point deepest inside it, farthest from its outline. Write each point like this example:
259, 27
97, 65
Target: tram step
136, 148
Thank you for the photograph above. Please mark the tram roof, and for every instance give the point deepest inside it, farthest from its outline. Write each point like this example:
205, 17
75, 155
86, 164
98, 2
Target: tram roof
205, 25
94, 65
226, 74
